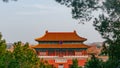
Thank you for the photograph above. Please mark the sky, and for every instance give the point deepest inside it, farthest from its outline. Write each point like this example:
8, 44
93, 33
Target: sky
26, 20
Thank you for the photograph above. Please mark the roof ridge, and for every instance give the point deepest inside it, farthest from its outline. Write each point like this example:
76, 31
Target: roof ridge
60, 32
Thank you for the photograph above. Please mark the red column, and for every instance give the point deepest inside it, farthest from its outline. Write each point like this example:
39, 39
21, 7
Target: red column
55, 52
83, 52
74, 52
66, 52
46, 52
39, 53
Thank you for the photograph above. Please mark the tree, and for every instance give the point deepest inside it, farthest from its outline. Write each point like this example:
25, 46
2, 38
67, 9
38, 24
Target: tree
75, 64
83, 9
112, 64
21, 57
2, 45
104, 50
94, 63
45, 64
110, 30
5, 56
25, 56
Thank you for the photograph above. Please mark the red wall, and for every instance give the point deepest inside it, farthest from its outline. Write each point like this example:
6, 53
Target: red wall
81, 62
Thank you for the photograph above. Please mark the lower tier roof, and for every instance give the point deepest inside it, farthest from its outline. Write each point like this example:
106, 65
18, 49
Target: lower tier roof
60, 46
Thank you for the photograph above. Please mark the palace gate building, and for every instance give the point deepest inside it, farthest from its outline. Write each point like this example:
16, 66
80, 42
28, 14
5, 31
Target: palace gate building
60, 48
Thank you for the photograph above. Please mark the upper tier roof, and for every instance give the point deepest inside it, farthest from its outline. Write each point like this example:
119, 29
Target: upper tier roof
60, 36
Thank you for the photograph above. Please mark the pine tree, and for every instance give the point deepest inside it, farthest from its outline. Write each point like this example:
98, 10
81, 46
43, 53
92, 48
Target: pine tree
75, 64
94, 63
5, 56
25, 56
21, 57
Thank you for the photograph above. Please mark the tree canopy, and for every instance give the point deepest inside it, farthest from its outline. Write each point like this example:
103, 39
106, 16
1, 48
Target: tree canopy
94, 63
83, 9
22, 56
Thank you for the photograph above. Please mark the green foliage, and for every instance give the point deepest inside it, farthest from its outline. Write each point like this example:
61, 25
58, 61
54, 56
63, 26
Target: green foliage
14, 64
45, 64
25, 56
112, 64
5, 56
109, 28
21, 57
114, 50
83, 9
2, 45
104, 51
94, 63
5, 59
75, 64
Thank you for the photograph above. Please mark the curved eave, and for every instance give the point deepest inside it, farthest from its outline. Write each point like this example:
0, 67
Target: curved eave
60, 46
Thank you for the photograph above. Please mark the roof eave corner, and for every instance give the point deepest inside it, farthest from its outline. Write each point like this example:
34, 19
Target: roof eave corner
46, 31
85, 39
74, 31
37, 39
